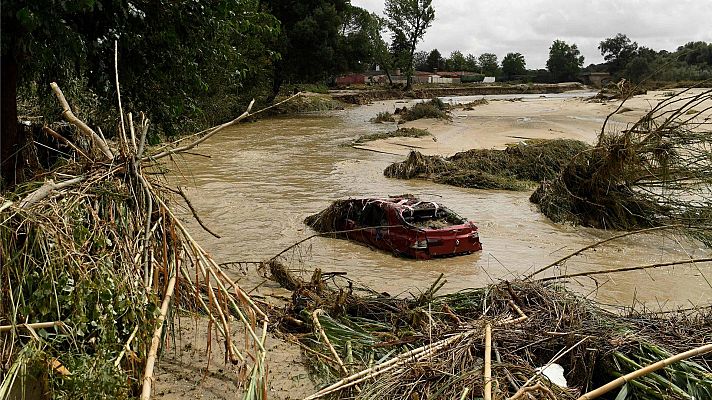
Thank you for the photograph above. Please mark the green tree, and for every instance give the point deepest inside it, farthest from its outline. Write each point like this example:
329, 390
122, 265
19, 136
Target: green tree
471, 63
456, 62
172, 55
409, 19
360, 41
400, 52
618, 51
564, 61
513, 64
488, 64
309, 39
434, 61
420, 60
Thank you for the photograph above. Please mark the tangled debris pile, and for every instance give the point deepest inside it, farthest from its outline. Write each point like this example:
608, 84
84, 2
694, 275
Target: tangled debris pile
437, 347
517, 167
94, 263
656, 172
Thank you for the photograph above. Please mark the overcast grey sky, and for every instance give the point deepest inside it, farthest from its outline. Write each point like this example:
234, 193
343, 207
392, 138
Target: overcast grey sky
530, 26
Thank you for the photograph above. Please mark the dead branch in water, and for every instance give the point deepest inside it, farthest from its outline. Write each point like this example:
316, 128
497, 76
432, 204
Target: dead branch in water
624, 269
212, 131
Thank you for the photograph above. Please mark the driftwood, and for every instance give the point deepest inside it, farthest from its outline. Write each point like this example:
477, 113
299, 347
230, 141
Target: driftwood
212, 131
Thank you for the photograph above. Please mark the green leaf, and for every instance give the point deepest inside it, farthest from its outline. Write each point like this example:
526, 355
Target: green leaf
623, 393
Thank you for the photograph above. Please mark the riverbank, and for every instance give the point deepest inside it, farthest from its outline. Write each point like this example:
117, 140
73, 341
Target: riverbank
506, 119
366, 96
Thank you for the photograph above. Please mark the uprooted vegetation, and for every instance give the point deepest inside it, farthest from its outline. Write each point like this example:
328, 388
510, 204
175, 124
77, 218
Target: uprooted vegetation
95, 263
434, 108
365, 345
656, 172
383, 116
471, 105
517, 167
400, 132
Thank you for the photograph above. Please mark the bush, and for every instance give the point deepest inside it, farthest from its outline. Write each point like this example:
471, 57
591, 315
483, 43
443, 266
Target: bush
431, 109
384, 116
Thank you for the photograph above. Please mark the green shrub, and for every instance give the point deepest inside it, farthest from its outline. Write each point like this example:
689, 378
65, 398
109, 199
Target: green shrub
384, 116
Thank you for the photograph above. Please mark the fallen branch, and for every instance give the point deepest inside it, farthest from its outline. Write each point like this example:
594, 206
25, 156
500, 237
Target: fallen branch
69, 116
644, 371
577, 252
46, 189
50, 132
212, 131
195, 213
609, 271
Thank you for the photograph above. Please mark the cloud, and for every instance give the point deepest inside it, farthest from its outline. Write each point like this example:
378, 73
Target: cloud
530, 26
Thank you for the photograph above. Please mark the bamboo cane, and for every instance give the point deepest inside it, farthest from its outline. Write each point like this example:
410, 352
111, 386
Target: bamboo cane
395, 362
155, 342
645, 371
317, 325
36, 325
488, 362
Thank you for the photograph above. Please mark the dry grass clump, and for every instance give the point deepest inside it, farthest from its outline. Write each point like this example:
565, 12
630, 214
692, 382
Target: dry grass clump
656, 172
430, 346
400, 132
515, 168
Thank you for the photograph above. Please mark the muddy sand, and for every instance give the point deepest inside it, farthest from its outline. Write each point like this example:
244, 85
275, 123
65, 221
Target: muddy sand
509, 119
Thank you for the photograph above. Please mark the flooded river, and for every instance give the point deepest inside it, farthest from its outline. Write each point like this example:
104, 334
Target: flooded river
264, 177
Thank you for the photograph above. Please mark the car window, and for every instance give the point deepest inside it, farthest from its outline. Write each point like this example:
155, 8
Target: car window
374, 215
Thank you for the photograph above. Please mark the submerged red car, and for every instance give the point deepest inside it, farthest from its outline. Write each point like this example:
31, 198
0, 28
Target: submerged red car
403, 225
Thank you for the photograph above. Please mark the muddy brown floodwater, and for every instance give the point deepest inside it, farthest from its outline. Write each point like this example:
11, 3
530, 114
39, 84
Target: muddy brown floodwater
265, 177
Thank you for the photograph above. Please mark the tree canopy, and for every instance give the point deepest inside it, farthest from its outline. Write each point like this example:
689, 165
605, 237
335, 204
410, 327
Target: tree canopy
408, 20
513, 64
488, 64
564, 61
434, 61
618, 51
